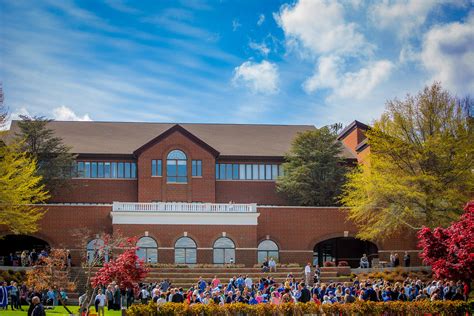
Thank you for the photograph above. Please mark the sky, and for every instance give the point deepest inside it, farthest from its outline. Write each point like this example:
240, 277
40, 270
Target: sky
274, 62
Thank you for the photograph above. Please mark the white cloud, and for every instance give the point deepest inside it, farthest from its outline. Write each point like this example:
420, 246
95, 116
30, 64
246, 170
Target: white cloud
235, 24
258, 77
350, 84
262, 48
261, 19
63, 113
402, 16
320, 27
448, 54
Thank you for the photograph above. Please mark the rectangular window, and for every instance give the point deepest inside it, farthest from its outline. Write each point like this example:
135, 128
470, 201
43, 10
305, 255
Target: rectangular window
127, 170
94, 170
280, 170
120, 170
274, 172
106, 169
100, 170
80, 169
228, 173
254, 172
217, 171
242, 172
153, 168
197, 168
268, 172
248, 172
261, 169
156, 169
134, 170
222, 171
235, 172
113, 170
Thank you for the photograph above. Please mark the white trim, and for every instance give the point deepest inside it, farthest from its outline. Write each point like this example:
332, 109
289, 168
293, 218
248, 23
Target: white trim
205, 248
184, 218
166, 248
408, 250
246, 248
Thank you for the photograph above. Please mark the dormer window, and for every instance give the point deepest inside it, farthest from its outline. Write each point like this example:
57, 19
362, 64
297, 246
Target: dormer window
176, 167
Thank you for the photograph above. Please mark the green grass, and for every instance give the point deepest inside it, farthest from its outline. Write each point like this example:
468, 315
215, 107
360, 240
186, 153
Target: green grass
57, 311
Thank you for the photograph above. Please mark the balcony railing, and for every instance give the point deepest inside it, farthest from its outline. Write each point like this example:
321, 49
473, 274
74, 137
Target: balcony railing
184, 207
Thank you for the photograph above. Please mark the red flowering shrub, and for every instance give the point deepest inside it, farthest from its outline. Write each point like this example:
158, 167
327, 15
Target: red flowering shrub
329, 264
342, 264
450, 251
126, 270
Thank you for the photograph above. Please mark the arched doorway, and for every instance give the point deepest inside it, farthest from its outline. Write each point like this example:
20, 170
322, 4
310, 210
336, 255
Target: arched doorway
14, 245
347, 249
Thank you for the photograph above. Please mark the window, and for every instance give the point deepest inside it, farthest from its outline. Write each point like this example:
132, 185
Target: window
93, 169
147, 250
185, 251
267, 249
197, 168
176, 168
224, 251
107, 170
247, 171
96, 251
156, 168
80, 169
100, 169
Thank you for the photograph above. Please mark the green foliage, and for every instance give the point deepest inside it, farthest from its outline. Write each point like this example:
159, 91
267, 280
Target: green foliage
55, 162
20, 189
358, 308
419, 170
314, 170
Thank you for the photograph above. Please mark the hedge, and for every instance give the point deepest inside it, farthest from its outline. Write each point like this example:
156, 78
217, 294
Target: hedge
358, 308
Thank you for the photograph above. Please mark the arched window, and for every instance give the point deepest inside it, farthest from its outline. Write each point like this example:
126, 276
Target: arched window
185, 251
224, 250
147, 250
176, 169
267, 249
97, 252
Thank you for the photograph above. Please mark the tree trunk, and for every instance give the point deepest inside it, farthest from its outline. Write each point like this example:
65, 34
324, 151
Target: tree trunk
62, 303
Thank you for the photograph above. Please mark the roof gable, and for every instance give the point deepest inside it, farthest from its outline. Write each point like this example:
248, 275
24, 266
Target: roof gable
171, 130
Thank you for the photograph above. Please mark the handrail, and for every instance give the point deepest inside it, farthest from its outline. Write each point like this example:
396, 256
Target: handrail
184, 207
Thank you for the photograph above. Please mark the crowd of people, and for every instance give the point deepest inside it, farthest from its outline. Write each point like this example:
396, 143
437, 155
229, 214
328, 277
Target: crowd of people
16, 296
243, 289
28, 258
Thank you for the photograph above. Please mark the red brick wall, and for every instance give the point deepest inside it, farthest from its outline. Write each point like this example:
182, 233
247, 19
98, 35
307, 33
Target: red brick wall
200, 189
203, 235
353, 139
260, 192
97, 191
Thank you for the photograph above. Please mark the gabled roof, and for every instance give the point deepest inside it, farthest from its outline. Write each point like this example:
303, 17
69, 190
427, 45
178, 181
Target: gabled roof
124, 138
349, 128
171, 130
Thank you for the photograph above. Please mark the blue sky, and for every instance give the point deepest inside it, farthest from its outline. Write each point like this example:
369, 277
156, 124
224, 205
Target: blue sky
300, 62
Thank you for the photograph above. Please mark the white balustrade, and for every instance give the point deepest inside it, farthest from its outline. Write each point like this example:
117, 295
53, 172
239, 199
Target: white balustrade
184, 207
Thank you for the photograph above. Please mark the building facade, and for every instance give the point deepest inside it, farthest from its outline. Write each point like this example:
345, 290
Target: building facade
197, 193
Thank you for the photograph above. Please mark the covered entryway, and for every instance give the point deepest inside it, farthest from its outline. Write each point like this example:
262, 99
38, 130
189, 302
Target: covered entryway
347, 249
11, 247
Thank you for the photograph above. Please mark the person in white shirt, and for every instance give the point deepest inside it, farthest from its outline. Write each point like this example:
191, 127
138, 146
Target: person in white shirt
272, 265
100, 298
307, 273
248, 282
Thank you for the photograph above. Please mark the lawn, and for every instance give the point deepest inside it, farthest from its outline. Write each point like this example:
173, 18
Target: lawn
57, 311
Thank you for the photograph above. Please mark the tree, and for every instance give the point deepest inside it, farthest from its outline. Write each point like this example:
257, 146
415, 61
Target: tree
314, 170
419, 169
51, 272
3, 110
450, 251
20, 191
126, 270
55, 162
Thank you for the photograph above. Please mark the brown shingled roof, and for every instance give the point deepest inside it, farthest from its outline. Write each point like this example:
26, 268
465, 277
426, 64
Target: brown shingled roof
228, 139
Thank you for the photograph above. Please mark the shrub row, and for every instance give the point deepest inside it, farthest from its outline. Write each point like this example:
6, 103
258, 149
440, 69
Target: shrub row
358, 308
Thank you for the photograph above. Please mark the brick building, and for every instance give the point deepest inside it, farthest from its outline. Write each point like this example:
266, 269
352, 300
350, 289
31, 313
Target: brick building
197, 193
